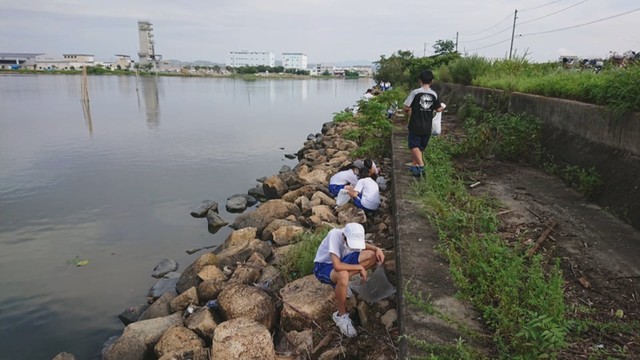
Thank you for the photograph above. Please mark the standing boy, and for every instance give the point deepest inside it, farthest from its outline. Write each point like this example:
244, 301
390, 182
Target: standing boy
342, 254
420, 105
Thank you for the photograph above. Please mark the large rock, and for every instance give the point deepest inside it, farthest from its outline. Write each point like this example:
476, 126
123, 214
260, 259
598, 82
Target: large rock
245, 275
267, 233
182, 301
201, 210
257, 192
238, 300
324, 213
64, 356
312, 300
324, 199
256, 261
302, 341
271, 278
305, 191
250, 199
202, 323
313, 177
349, 213
240, 236
139, 337
281, 253
209, 290
164, 267
265, 214
326, 126
177, 339
215, 222
304, 204
190, 277
212, 272
241, 252
189, 354
132, 314
160, 307
286, 234
274, 187
166, 284
242, 339
236, 204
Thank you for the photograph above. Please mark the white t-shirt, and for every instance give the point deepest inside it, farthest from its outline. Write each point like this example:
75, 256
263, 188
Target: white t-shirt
367, 96
343, 178
333, 243
370, 193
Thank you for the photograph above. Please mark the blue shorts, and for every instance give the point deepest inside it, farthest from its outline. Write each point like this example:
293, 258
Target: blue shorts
335, 189
358, 203
322, 271
418, 141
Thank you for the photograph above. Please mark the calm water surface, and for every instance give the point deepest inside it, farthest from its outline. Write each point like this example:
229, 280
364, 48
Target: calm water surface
114, 183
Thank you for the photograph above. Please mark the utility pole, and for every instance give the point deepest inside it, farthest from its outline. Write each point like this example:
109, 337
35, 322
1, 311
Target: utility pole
456, 41
513, 32
424, 52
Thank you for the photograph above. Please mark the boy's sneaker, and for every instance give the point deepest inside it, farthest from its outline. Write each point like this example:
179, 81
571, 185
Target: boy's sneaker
344, 324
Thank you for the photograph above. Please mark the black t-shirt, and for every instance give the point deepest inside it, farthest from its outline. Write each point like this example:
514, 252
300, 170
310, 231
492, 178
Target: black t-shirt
423, 102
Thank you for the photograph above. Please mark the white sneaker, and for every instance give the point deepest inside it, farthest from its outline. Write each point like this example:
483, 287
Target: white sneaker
344, 324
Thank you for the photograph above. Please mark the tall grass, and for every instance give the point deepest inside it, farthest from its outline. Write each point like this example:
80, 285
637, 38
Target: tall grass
298, 262
613, 87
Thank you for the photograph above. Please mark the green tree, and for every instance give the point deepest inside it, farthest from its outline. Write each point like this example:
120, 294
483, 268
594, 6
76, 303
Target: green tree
444, 47
326, 73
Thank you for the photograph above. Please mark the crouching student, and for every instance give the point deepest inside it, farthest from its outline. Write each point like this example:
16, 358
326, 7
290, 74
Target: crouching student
366, 193
342, 254
346, 176
367, 164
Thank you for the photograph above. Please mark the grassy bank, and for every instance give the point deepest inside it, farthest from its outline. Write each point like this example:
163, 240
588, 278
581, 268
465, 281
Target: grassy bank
613, 87
520, 298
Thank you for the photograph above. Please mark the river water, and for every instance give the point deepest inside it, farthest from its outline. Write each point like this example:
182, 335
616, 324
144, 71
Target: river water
113, 182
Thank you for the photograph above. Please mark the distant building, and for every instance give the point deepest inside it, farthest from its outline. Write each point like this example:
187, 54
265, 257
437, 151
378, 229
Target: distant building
64, 62
320, 69
147, 53
17, 60
294, 61
362, 70
250, 58
124, 61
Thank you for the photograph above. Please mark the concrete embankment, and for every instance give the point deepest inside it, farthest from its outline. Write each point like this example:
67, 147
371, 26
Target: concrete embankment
584, 135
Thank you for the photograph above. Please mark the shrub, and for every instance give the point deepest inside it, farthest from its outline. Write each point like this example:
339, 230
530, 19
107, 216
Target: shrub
298, 262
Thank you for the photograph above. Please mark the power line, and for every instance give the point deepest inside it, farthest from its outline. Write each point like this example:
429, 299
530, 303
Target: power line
489, 28
553, 13
488, 46
580, 25
541, 6
488, 36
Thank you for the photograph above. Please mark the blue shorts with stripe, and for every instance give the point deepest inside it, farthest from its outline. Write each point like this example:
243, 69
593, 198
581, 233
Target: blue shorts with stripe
358, 202
322, 271
334, 189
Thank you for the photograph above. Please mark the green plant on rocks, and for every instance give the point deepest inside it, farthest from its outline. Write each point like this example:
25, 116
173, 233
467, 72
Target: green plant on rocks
298, 262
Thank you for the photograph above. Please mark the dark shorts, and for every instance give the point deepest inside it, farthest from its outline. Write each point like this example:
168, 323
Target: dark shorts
322, 271
335, 189
358, 202
418, 141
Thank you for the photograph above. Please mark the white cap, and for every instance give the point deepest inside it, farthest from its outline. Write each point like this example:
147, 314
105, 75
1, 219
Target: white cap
354, 233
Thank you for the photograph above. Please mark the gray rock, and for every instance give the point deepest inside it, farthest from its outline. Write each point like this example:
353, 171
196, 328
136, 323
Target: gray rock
182, 301
261, 179
311, 137
160, 307
190, 277
200, 211
326, 126
139, 337
257, 192
164, 267
64, 356
214, 222
250, 199
132, 314
285, 168
202, 323
177, 339
290, 156
236, 204
167, 283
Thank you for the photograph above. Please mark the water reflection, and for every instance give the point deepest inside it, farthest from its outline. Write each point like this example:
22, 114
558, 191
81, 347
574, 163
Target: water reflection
151, 100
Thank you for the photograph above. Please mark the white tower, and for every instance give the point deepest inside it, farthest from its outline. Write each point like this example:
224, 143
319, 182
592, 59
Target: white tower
147, 53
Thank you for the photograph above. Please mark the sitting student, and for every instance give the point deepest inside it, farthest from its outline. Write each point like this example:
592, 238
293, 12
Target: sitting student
367, 95
345, 176
342, 254
367, 164
366, 193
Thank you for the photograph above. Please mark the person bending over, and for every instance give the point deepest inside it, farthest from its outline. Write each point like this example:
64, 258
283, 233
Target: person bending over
342, 254
339, 180
366, 193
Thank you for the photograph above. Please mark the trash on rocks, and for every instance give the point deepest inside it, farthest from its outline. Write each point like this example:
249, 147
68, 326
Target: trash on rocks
212, 304
376, 288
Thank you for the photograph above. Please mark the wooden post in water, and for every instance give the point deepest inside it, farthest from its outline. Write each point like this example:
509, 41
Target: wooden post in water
84, 99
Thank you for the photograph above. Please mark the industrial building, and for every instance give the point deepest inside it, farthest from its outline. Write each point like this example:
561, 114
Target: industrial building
296, 61
147, 54
16, 60
250, 58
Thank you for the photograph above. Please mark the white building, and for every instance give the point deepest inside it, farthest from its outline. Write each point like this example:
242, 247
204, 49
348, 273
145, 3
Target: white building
294, 61
147, 53
64, 62
250, 58
124, 61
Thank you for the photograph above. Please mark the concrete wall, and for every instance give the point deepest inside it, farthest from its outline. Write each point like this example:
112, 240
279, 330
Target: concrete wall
581, 134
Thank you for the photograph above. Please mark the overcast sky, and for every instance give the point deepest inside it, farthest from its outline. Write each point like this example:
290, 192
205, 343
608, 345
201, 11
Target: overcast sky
326, 30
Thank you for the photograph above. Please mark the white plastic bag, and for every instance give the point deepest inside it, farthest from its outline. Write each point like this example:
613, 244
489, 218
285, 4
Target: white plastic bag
436, 124
376, 288
343, 197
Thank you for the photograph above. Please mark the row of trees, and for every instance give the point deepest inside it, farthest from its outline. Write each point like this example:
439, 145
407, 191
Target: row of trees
269, 69
402, 68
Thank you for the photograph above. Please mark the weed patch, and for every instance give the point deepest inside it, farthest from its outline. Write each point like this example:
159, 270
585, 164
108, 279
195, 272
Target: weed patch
298, 262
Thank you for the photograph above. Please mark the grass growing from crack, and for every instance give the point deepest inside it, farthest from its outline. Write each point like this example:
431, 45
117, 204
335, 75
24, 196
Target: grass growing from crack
298, 262
519, 300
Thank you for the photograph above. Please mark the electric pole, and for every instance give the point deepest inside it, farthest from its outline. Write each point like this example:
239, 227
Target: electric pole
424, 52
513, 32
456, 41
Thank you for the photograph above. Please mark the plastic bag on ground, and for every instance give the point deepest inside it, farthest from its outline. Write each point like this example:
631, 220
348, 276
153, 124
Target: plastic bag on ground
376, 288
342, 198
